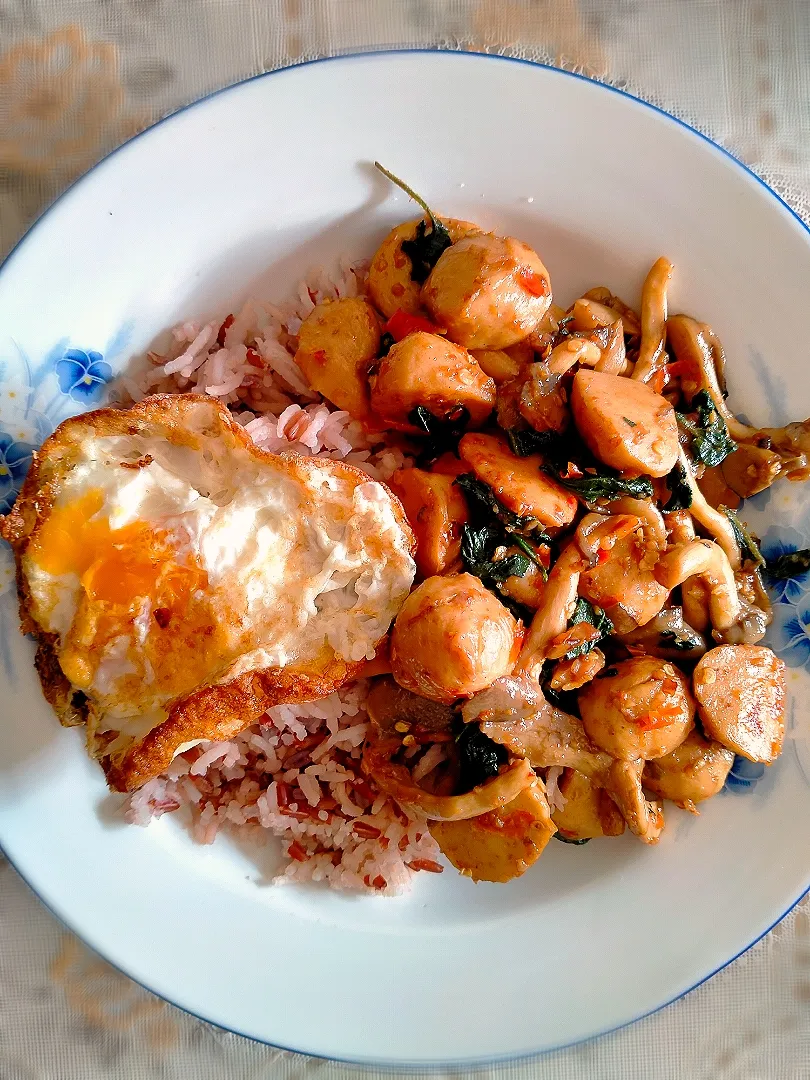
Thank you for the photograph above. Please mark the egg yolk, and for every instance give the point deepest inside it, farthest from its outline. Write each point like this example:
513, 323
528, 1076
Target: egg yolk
118, 569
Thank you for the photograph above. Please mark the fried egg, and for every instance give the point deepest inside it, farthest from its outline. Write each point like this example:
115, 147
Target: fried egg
181, 581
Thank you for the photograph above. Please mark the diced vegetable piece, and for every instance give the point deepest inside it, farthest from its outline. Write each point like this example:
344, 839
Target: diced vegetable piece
740, 691
588, 811
427, 370
502, 844
518, 482
624, 585
642, 710
336, 343
694, 771
488, 291
624, 423
436, 509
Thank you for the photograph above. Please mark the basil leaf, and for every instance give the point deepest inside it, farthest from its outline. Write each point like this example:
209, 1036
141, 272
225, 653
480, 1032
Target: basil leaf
431, 239
480, 757
442, 435
524, 443
711, 442
477, 548
678, 484
585, 611
607, 485
515, 565
426, 248
749, 549
483, 497
791, 564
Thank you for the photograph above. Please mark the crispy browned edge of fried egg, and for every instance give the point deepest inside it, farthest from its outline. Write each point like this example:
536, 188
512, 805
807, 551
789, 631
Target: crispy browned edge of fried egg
214, 712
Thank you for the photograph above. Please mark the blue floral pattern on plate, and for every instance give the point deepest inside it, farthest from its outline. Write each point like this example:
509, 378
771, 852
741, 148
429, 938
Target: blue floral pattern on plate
15, 460
36, 397
83, 375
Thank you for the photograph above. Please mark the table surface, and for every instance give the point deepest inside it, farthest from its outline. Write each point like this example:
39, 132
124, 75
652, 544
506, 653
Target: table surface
77, 77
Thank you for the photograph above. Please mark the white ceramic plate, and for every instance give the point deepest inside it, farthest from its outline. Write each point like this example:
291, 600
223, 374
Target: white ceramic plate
241, 194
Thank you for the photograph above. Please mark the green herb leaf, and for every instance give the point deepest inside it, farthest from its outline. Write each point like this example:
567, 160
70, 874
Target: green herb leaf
480, 757
631, 423
432, 238
426, 248
749, 549
386, 341
607, 485
482, 497
515, 565
791, 564
442, 435
570, 840
477, 549
678, 484
711, 442
524, 443
585, 611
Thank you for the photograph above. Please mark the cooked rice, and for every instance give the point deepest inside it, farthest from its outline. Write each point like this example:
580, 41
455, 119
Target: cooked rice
296, 773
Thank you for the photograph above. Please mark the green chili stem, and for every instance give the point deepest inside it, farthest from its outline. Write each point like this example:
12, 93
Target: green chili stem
408, 191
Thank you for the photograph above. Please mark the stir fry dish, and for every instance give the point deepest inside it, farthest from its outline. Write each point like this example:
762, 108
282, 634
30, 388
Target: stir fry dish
583, 640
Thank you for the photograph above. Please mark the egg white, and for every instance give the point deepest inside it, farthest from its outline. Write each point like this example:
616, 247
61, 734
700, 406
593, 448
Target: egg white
294, 563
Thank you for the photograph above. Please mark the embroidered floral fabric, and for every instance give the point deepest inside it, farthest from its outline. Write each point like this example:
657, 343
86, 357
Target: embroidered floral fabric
77, 78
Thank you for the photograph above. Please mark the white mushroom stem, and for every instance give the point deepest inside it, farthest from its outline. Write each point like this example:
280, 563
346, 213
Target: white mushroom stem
591, 315
645, 818
680, 527
653, 320
559, 600
690, 343
652, 520
711, 520
573, 351
597, 533
614, 356
707, 560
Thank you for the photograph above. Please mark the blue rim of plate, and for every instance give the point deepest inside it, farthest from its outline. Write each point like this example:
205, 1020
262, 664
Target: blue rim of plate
398, 1066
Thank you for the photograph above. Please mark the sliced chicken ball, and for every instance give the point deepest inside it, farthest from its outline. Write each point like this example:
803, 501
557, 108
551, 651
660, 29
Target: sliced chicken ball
740, 692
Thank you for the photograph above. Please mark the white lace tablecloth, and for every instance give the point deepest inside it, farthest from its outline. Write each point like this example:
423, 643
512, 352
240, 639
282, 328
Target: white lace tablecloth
77, 77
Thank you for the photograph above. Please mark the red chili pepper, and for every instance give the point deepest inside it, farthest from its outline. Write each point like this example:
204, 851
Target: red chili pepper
295, 851
254, 359
677, 367
533, 283
403, 323
572, 472
227, 324
658, 381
